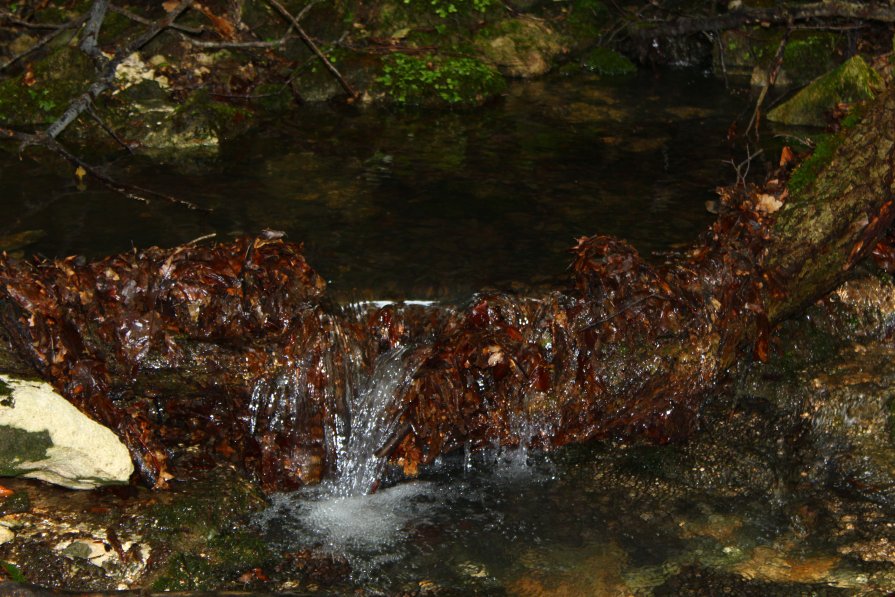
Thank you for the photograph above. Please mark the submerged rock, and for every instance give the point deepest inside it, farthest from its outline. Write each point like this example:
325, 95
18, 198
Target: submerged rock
852, 81
42, 436
834, 372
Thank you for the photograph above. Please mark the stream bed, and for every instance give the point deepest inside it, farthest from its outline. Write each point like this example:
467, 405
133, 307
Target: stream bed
787, 489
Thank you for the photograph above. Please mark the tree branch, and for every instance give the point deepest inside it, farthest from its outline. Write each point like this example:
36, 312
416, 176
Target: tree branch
91, 33
313, 47
56, 30
107, 76
773, 15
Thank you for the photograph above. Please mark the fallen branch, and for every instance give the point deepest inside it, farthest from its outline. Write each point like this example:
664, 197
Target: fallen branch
313, 47
107, 76
43, 41
233, 351
134, 192
7, 19
775, 15
144, 21
772, 74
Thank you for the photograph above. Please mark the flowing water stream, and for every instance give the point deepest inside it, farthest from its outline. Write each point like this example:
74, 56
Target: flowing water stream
434, 207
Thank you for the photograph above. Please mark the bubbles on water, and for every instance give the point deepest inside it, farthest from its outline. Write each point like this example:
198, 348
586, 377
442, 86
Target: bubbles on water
356, 523
420, 527
369, 531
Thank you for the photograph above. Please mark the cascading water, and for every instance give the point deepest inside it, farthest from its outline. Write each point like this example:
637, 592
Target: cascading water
374, 419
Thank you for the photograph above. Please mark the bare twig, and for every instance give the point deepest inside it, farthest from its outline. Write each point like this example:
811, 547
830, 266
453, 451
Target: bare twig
773, 72
144, 21
56, 30
7, 19
313, 47
108, 129
107, 76
742, 169
131, 191
91, 33
239, 45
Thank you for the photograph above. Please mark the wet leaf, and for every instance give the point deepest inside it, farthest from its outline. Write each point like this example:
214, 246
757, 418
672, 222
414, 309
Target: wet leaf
223, 26
786, 156
28, 79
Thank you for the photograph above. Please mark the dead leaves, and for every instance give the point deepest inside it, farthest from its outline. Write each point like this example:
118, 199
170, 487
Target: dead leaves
222, 25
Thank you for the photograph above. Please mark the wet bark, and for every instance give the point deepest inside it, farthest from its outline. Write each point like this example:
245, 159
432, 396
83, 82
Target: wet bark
830, 11
234, 352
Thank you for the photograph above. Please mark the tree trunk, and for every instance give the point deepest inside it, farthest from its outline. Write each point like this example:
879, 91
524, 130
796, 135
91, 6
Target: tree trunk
235, 349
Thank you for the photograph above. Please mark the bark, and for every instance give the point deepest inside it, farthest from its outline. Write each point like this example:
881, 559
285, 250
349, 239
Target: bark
774, 14
235, 350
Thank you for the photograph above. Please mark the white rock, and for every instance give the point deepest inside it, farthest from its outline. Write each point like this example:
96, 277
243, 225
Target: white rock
42, 436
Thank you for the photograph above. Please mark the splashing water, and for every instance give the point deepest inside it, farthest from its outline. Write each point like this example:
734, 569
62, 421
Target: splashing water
374, 419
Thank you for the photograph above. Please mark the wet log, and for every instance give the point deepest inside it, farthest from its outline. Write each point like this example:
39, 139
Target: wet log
232, 351
830, 11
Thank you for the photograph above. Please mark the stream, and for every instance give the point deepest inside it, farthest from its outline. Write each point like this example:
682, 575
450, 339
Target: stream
433, 207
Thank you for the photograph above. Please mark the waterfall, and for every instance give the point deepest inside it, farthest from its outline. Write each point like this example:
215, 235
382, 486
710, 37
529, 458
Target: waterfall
374, 419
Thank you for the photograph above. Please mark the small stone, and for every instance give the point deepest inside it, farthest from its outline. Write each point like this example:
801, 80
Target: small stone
6, 535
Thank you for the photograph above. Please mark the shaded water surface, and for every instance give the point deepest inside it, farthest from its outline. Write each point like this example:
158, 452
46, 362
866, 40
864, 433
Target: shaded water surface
413, 205
436, 206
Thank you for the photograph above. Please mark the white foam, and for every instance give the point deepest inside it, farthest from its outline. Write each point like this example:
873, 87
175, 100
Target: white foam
344, 525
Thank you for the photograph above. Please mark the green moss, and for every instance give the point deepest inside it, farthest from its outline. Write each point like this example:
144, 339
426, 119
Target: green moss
852, 81
608, 62
209, 505
18, 446
587, 18
220, 561
186, 572
810, 56
239, 551
808, 170
58, 78
6, 398
203, 524
15, 575
807, 55
824, 148
446, 8
437, 80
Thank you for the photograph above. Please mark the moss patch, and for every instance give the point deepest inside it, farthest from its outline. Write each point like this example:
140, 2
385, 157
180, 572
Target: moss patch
40, 98
12, 571
608, 62
432, 81
824, 149
204, 525
18, 446
446, 8
853, 81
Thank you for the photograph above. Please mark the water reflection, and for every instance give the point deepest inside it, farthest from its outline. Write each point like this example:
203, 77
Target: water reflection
414, 205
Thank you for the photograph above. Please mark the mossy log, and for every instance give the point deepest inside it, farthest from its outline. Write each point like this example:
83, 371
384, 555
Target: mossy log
234, 349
